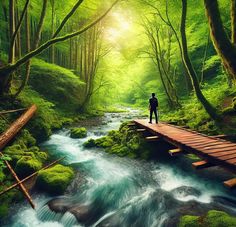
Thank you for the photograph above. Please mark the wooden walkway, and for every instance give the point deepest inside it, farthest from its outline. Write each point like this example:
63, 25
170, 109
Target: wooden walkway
213, 150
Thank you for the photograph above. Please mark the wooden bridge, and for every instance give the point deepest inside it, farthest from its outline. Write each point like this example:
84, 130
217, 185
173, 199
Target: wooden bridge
213, 150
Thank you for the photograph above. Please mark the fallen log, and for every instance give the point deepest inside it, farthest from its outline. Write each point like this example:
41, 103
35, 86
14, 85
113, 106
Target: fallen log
16, 126
30, 176
8, 135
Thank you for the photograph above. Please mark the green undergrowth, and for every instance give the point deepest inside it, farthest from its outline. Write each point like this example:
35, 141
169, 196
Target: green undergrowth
213, 218
57, 85
123, 142
193, 115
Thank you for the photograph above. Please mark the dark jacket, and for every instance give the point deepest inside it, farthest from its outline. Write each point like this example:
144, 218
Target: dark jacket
153, 103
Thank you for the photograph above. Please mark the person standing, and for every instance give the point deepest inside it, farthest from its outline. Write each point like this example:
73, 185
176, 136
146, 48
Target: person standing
153, 104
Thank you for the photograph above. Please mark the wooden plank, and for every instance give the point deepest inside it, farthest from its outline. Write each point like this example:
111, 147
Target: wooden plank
227, 157
141, 130
16, 126
222, 146
202, 164
152, 138
232, 161
205, 145
175, 152
219, 150
223, 153
219, 136
30, 176
230, 183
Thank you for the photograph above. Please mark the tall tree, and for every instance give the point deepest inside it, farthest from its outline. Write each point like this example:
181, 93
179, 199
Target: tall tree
225, 47
189, 66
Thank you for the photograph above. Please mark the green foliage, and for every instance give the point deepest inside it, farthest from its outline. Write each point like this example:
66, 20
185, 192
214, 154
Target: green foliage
64, 88
122, 142
27, 165
189, 221
78, 132
56, 179
213, 218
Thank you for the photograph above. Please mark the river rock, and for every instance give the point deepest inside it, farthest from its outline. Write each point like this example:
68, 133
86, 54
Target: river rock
59, 205
184, 191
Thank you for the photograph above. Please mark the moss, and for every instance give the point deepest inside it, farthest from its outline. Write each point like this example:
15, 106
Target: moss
27, 165
78, 132
216, 218
66, 89
25, 138
213, 218
189, 221
122, 142
193, 157
90, 143
56, 179
104, 142
3, 210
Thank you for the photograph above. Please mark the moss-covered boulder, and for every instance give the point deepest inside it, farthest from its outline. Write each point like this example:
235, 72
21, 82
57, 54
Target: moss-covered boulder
123, 142
66, 88
27, 165
189, 221
56, 179
90, 143
213, 218
78, 132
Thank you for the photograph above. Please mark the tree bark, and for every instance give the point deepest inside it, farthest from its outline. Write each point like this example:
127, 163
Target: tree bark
233, 21
225, 49
191, 72
11, 55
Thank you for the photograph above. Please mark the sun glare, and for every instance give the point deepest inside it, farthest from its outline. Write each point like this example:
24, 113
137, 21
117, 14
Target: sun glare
119, 25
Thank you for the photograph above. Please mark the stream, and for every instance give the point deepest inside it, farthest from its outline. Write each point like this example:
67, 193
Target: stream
113, 191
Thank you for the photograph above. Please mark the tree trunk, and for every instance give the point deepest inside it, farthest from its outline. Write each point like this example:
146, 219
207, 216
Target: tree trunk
11, 55
233, 21
188, 64
225, 49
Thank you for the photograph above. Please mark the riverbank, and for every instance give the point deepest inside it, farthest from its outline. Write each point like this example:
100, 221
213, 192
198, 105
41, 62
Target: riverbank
112, 190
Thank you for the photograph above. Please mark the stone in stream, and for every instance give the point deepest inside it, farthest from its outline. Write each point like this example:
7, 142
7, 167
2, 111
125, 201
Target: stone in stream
184, 191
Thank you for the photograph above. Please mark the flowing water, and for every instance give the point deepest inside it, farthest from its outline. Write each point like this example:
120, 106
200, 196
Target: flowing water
113, 191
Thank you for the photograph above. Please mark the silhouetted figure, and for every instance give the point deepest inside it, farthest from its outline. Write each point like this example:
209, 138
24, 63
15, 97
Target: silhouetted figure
153, 104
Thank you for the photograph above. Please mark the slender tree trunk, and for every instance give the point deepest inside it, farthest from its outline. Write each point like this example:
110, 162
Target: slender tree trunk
28, 48
53, 30
11, 54
188, 64
225, 49
233, 21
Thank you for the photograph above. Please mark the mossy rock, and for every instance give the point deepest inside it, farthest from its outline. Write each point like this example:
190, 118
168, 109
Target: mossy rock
56, 179
27, 165
104, 142
90, 143
78, 132
213, 218
216, 218
189, 221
